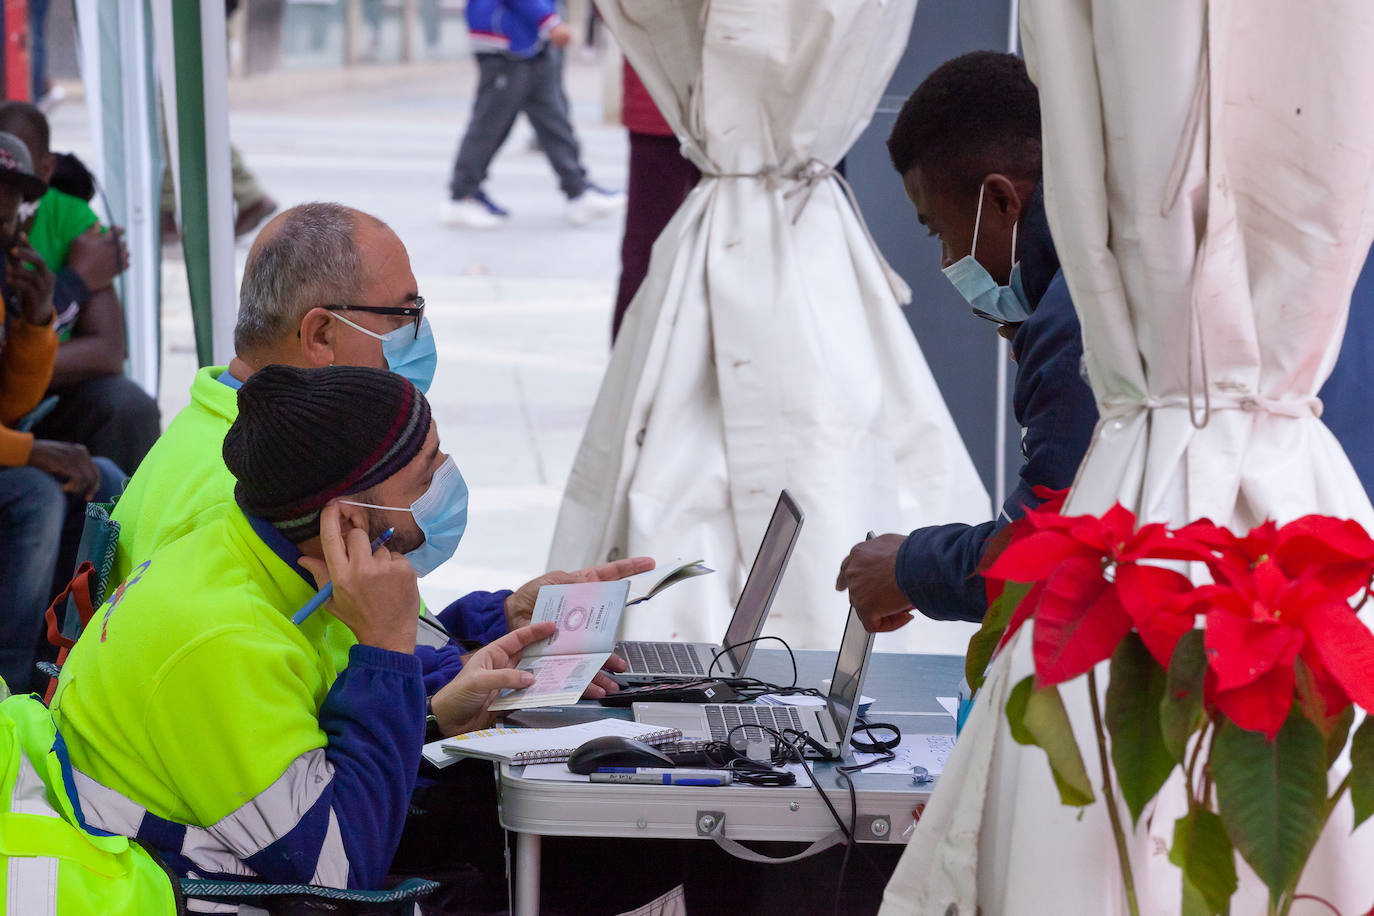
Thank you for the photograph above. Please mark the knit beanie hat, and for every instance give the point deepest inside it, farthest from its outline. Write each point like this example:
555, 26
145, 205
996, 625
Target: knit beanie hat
306, 436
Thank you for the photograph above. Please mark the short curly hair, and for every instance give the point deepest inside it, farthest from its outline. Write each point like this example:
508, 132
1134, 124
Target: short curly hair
976, 114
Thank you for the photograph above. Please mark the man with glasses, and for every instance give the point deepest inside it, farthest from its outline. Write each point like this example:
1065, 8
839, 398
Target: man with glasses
324, 285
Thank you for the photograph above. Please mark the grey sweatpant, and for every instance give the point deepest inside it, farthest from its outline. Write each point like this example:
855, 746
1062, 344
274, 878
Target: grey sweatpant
507, 86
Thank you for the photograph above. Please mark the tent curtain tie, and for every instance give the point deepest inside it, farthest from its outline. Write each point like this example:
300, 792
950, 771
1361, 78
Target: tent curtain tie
1294, 407
804, 179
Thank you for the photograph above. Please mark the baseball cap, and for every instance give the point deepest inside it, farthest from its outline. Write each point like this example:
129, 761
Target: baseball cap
16, 167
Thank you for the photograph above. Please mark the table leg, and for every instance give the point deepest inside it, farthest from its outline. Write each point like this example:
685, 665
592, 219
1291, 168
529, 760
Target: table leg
527, 874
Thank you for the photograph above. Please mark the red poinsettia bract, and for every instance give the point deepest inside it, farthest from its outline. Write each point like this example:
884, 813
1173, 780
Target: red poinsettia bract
1277, 611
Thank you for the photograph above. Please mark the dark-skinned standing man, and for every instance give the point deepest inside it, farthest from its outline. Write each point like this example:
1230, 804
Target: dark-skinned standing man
967, 145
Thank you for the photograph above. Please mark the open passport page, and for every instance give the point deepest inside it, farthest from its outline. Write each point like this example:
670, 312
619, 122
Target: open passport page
587, 615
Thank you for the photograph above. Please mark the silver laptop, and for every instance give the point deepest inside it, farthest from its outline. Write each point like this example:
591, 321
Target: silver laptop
654, 661
830, 726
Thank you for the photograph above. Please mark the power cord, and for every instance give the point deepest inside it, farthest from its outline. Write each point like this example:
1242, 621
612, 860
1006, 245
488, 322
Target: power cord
715, 659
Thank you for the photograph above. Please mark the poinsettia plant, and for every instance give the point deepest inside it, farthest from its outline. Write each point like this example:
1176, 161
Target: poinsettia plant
1247, 682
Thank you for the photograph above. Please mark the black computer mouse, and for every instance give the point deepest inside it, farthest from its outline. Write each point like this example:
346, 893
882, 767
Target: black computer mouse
614, 751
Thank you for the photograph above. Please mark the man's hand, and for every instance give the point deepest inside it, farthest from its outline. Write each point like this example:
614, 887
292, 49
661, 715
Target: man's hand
33, 283
870, 574
376, 595
69, 462
561, 35
461, 704
98, 257
520, 603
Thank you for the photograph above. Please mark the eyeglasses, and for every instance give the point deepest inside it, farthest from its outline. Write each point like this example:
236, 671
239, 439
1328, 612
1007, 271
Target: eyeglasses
416, 311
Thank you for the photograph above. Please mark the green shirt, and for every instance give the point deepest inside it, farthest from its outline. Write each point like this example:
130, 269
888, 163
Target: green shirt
60, 219
191, 691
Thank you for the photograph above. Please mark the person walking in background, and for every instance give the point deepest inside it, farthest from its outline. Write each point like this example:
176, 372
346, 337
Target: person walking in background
519, 47
660, 180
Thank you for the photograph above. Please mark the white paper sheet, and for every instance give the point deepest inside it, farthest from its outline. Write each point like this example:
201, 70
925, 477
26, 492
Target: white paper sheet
929, 751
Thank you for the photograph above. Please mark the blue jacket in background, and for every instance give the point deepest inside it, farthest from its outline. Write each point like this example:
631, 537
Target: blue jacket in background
1345, 397
514, 27
1056, 412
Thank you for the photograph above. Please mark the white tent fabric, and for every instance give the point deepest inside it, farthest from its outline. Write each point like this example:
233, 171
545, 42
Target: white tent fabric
114, 40
765, 348
1208, 173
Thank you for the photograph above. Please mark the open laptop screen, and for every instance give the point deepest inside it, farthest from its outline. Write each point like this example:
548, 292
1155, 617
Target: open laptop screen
763, 580
848, 679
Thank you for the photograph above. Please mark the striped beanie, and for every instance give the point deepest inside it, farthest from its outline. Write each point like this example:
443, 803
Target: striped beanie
306, 436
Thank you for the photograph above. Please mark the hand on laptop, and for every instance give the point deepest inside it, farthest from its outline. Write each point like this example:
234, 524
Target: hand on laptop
461, 704
870, 574
520, 603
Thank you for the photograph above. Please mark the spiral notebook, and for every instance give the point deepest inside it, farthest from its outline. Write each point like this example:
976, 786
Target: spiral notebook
550, 745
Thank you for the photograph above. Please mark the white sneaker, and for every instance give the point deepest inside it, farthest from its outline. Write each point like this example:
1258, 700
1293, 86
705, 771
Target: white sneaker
469, 212
594, 203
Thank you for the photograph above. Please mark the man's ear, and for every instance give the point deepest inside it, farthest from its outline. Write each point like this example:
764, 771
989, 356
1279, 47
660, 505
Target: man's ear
351, 516
1003, 200
317, 338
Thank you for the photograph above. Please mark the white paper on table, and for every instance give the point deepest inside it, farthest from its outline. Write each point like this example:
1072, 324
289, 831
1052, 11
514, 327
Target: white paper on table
949, 705
434, 751
929, 751
553, 772
803, 699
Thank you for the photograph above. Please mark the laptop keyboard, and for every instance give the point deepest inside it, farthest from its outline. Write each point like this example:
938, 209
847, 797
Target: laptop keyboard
659, 658
722, 717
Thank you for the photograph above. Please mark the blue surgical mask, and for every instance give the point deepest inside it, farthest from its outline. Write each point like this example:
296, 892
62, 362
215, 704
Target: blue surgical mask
410, 355
442, 514
1002, 304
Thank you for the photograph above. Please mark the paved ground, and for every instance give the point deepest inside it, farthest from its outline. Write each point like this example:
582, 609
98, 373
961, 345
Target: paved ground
521, 314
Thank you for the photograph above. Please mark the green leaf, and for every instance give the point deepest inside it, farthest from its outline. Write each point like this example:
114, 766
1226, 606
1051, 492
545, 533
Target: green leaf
1272, 796
984, 642
1333, 726
1016, 710
1203, 851
1180, 711
1037, 717
1134, 695
1340, 730
1362, 770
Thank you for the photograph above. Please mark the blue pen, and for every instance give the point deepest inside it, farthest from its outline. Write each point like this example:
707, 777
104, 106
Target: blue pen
662, 776
323, 594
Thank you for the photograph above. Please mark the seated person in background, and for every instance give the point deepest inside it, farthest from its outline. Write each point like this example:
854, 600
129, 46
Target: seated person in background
195, 696
97, 405
324, 285
967, 145
43, 484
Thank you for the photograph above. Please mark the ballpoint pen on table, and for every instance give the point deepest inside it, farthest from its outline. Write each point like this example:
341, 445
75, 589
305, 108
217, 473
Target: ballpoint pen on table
323, 594
662, 776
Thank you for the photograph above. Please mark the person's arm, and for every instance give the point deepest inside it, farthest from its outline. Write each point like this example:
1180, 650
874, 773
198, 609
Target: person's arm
477, 617
543, 16
96, 347
333, 815
936, 570
25, 369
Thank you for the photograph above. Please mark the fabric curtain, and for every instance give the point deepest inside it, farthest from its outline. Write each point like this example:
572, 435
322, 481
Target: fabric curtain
766, 347
1208, 176
114, 42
